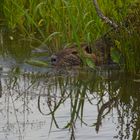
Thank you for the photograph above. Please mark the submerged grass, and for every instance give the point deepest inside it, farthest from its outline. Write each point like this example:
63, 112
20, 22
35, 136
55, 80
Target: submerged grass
58, 23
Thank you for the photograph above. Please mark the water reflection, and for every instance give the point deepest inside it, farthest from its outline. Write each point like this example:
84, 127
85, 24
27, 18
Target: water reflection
87, 105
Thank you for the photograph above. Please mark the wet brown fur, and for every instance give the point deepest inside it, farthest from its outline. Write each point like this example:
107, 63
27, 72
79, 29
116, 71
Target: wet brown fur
99, 52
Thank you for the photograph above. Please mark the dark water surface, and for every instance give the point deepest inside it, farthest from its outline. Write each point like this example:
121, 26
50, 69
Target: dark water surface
44, 103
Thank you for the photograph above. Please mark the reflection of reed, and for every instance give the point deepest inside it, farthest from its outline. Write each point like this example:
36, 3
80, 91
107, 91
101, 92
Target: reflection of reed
17, 95
48, 93
0, 81
0, 88
108, 105
78, 91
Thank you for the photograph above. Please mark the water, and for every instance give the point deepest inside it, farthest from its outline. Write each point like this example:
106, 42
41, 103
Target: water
39, 103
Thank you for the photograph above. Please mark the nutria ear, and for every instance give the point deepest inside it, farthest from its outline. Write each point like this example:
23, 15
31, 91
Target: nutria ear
88, 49
74, 52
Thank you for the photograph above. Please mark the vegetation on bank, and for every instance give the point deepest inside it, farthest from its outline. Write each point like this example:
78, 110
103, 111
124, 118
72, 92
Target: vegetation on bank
60, 22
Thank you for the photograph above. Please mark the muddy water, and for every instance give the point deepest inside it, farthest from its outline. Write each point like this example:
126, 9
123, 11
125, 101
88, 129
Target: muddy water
39, 103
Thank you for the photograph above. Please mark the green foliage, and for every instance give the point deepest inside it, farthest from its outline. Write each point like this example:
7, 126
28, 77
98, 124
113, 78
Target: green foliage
75, 20
37, 63
128, 40
90, 63
115, 55
61, 22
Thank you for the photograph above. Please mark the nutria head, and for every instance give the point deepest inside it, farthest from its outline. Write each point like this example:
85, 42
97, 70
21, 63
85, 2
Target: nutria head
66, 57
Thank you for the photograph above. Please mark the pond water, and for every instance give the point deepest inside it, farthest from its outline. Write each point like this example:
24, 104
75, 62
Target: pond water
39, 103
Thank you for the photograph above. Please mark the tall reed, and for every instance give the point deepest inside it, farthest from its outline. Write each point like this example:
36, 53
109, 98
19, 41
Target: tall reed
66, 21
58, 23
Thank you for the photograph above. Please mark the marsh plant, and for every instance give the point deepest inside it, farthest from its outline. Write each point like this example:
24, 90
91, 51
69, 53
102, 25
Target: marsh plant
60, 22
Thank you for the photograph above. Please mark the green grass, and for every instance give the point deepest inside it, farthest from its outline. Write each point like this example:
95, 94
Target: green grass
75, 20
58, 23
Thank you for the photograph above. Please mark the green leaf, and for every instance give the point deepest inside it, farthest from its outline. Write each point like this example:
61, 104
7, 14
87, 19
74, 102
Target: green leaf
118, 44
37, 63
90, 63
115, 55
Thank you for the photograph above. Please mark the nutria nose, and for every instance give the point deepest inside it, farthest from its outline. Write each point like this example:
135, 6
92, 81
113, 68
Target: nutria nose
53, 59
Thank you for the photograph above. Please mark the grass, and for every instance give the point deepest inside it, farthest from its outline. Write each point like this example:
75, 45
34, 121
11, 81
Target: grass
75, 20
58, 23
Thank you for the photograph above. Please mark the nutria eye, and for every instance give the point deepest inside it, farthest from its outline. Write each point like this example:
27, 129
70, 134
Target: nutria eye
53, 58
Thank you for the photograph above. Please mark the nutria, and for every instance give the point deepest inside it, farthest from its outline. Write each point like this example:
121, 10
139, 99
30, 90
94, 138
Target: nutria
99, 52
66, 57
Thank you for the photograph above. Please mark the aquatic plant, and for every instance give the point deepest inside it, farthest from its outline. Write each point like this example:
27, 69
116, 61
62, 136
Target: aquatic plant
58, 23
